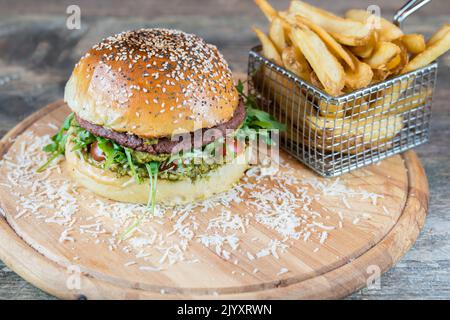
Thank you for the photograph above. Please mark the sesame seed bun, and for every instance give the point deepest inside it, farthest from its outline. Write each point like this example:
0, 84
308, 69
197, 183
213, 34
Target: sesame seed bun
124, 189
152, 83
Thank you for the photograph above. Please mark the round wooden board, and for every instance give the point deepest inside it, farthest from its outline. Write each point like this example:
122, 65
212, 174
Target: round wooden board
373, 236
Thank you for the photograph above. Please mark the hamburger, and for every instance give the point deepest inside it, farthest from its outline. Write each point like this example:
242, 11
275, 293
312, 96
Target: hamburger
151, 111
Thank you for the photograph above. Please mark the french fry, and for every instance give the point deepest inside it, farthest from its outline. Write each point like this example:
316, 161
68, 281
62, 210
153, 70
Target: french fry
267, 9
386, 29
331, 43
354, 135
359, 77
380, 75
366, 50
334, 132
351, 108
328, 69
294, 61
415, 43
276, 34
340, 55
284, 93
384, 52
388, 107
396, 65
411, 102
315, 81
439, 34
269, 51
345, 31
397, 88
439, 46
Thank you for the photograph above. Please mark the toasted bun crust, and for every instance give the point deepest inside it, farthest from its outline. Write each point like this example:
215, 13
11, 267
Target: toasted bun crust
124, 189
152, 83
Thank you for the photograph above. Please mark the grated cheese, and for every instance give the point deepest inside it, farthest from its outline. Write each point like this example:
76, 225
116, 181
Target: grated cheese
149, 268
282, 271
285, 206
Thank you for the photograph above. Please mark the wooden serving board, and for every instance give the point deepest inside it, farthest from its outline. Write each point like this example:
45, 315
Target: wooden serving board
289, 236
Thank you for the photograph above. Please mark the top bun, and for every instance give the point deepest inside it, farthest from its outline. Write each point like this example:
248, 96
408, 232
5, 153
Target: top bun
152, 83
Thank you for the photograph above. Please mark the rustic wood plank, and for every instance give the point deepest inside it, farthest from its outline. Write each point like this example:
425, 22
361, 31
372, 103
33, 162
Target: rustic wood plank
14, 287
215, 8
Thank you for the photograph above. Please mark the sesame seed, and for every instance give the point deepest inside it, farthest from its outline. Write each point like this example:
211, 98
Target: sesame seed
174, 57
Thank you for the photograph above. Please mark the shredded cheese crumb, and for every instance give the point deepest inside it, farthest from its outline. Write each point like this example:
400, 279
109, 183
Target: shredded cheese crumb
285, 206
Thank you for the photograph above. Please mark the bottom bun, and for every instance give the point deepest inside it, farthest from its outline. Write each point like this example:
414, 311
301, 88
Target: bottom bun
106, 183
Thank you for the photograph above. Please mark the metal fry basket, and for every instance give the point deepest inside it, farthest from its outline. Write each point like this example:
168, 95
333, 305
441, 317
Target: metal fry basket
334, 135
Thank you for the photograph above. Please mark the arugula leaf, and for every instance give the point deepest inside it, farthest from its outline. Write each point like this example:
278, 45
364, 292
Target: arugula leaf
256, 119
106, 146
109, 151
83, 139
50, 148
58, 145
240, 87
153, 170
132, 166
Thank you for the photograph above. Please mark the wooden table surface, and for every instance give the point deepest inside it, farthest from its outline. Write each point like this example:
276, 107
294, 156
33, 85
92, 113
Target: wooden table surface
37, 54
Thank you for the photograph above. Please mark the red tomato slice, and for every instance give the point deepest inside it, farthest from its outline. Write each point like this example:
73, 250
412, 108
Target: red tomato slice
96, 153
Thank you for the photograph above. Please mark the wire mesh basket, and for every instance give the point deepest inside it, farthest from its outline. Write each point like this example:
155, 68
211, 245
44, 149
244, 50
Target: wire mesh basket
334, 135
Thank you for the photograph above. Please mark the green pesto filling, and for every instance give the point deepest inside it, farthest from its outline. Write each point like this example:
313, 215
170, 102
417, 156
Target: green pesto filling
188, 170
144, 157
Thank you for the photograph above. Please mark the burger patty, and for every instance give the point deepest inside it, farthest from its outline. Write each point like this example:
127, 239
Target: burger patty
167, 145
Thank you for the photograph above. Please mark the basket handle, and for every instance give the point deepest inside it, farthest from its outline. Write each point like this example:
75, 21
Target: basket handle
409, 8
